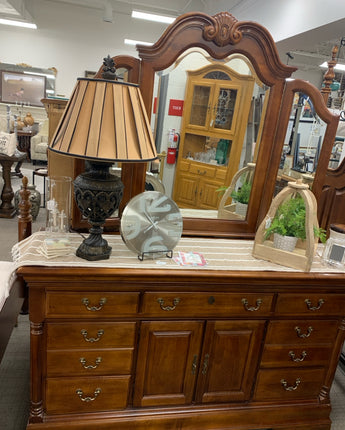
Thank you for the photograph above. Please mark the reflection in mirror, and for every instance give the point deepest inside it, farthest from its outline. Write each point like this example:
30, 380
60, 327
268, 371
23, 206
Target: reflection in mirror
302, 144
234, 202
208, 117
338, 150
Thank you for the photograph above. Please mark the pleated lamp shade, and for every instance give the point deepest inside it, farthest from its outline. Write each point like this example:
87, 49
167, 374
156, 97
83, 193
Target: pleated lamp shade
106, 121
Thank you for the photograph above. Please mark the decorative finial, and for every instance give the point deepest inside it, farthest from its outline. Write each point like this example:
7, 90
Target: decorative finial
109, 69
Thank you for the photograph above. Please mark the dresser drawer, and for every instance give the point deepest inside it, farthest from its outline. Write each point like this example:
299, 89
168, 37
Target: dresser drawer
90, 335
288, 384
202, 170
311, 304
89, 363
302, 332
67, 395
178, 304
91, 305
295, 356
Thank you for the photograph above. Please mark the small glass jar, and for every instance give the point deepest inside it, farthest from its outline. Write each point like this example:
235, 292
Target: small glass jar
334, 252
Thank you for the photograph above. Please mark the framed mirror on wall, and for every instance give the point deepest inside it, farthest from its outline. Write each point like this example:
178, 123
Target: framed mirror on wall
218, 40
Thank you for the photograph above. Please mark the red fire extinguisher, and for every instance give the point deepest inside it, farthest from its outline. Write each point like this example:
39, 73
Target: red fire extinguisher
172, 149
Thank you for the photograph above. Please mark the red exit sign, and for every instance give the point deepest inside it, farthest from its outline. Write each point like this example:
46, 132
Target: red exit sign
175, 107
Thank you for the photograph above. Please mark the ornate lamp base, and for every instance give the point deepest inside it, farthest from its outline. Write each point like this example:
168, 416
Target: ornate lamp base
98, 194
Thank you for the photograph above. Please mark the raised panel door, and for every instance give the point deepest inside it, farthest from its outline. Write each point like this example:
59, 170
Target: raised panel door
229, 360
167, 369
186, 189
208, 197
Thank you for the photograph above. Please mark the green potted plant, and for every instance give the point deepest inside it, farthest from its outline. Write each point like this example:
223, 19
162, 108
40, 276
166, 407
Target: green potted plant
289, 223
241, 197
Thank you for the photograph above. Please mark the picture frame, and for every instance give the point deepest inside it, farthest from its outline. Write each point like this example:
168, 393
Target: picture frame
22, 88
89, 74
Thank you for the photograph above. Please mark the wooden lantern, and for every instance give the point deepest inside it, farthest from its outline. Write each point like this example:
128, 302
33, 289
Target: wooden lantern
302, 256
228, 211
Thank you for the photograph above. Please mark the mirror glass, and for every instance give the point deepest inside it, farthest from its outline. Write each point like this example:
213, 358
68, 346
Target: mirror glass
302, 144
338, 150
207, 119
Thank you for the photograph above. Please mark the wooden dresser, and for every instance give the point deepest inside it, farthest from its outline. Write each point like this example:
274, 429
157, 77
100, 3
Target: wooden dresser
157, 349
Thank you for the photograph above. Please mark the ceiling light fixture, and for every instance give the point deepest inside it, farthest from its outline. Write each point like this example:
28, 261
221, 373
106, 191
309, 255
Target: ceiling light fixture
18, 23
40, 74
137, 42
153, 17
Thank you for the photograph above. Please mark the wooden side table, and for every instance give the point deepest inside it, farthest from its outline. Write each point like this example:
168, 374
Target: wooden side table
7, 209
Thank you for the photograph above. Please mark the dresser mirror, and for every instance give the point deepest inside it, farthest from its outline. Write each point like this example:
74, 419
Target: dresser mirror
306, 136
217, 132
218, 40
303, 139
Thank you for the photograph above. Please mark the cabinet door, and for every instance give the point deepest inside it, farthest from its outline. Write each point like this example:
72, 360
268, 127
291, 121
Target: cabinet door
208, 197
225, 107
229, 361
198, 109
167, 362
185, 190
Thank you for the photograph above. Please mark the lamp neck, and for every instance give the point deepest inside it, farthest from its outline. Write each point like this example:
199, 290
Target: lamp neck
99, 167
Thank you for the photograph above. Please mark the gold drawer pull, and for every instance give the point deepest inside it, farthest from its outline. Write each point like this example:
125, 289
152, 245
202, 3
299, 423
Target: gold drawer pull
176, 301
251, 308
101, 303
314, 308
100, 333
90, 366
303, 335
297, 359
194, 364
290, 388
205, 364
88, 398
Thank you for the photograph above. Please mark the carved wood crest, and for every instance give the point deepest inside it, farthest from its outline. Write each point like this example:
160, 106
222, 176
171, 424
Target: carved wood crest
223, 30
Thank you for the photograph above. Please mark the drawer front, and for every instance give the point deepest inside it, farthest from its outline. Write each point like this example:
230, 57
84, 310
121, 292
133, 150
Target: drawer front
178, 304
89, 363
90, 335
288, 384
202, 170
184, 165
221, 173
84, 395
91, 305
295, 356
311, 304
302, 332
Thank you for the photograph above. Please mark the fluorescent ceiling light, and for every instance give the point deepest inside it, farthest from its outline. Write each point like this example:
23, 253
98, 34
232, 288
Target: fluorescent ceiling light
338, 66
153, 17
137, 42
18, 23
40, 74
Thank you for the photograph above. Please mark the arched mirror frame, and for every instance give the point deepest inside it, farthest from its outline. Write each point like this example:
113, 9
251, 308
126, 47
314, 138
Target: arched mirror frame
222, 35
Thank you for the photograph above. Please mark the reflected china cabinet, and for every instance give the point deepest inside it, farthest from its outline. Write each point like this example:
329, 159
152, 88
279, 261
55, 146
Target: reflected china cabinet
215, 116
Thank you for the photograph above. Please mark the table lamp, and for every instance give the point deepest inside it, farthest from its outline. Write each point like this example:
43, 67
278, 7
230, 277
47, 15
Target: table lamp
104, 121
